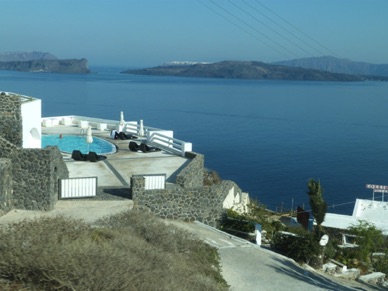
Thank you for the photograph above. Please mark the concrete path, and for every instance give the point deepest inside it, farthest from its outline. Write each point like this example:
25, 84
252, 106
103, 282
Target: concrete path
246, 266
88, 211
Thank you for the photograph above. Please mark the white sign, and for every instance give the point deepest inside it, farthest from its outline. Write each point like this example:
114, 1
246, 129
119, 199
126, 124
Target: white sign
377, 188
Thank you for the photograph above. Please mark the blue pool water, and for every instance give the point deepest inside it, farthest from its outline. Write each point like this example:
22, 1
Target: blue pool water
68, 143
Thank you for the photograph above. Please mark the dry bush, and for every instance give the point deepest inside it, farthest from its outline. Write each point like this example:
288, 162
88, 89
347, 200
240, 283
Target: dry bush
211, 178
130, 251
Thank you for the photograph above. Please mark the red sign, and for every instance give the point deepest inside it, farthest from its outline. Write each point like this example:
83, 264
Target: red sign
377, 187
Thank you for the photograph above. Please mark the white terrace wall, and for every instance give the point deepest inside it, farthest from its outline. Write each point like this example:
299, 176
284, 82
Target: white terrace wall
31, 122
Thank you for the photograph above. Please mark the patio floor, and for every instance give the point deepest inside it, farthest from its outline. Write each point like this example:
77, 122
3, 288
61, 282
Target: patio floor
118, 168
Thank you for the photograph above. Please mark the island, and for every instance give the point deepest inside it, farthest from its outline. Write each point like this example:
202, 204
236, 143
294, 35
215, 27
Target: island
42, 62
244, 70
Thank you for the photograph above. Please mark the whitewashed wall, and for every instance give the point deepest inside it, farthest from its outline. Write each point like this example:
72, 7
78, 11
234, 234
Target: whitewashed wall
31, 116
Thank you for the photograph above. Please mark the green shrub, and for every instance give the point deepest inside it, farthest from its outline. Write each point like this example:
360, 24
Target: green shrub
302, 247
130, 251
380, 264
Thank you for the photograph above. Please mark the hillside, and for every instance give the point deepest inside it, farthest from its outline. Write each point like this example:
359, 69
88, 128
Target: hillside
41, 62
26, 56
244, 70
336, 65
48, 66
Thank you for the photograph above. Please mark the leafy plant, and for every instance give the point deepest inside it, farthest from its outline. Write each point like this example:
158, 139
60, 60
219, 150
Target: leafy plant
301, 247
318, 204
369, 238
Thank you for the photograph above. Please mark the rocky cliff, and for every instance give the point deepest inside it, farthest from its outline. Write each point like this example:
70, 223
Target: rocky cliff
71, 66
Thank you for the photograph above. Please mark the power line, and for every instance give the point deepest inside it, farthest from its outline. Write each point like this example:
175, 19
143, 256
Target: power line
269, 27
250, 27
292, 37
284, 28
297, 29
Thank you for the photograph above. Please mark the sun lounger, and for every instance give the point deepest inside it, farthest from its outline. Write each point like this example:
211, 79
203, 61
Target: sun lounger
146, 149
123, 136
93, 157
78, 156
133, 146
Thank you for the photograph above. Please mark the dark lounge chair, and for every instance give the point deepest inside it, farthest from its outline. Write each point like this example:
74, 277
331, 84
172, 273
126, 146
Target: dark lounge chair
93, 157
78, 156
122, 135
146, 149
133, 146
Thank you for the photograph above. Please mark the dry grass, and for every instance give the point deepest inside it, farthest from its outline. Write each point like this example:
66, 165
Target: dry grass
129, 251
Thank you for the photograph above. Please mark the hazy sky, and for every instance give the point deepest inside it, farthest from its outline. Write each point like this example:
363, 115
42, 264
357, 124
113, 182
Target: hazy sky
139, 33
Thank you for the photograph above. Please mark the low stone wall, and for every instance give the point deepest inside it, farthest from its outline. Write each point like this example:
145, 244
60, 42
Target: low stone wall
192, 175
189, 202
6, 197
36, 174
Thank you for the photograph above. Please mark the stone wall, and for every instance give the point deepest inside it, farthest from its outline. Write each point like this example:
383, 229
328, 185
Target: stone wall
192, 201
34, 173
6, 197
192, 175
37, 171
11, 119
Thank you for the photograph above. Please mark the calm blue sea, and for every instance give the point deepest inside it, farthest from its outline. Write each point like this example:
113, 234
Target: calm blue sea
269, 137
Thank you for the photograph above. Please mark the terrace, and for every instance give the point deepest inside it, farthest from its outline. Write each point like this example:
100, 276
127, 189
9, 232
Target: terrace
118, 168
169, 182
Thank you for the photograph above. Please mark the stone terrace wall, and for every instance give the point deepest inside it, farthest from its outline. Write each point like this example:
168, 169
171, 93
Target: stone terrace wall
36, 175
11, 119
202, 203
6, 197
192, 174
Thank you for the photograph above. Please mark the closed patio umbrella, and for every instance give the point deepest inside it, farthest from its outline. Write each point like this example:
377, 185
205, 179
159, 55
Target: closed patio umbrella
122, 122
141, 128
89, 137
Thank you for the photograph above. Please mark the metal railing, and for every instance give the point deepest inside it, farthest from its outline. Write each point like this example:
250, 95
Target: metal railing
78, 187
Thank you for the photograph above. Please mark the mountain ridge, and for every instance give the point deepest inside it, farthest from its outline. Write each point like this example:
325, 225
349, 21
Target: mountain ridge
337, 65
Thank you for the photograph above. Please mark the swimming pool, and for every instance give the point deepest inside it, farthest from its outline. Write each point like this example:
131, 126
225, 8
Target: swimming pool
68, 143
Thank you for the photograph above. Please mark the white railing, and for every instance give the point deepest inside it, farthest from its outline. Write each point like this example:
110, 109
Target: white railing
156, 137
78, 187
169, 144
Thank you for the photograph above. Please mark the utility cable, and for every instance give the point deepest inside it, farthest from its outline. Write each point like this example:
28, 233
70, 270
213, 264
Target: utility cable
297, 29
285, 29
249, 26
270, 28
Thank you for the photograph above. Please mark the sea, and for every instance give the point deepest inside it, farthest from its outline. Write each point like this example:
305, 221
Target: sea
270, 137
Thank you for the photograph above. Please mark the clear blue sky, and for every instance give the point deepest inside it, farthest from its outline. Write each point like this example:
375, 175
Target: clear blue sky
140, 33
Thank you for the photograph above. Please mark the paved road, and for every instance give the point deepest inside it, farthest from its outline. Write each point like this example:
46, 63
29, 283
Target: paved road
248, 267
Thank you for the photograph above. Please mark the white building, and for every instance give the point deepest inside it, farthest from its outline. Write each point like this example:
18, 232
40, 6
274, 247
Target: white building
372, 211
